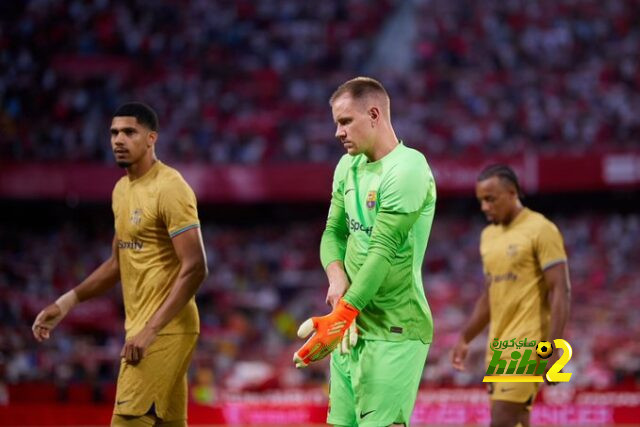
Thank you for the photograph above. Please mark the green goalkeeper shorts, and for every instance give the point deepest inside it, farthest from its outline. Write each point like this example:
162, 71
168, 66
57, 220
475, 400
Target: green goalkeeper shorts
376, 383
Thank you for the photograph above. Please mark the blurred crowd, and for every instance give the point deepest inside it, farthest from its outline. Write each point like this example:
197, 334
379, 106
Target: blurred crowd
232, 81
247, 82
265, 279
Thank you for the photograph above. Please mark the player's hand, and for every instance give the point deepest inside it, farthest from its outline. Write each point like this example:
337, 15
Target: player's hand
52, 314
459, 354
46, 320
329, 331
349, 339
337, 289
550, 362
135, 347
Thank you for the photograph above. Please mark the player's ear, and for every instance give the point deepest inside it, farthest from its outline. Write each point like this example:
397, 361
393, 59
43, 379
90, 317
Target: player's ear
152, 138
374, 114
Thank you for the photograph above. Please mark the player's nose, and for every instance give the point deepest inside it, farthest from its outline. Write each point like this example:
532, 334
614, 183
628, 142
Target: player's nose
118, 139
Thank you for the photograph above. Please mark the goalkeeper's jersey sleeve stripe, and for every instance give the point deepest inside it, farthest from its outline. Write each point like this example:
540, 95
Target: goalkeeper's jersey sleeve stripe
390, 231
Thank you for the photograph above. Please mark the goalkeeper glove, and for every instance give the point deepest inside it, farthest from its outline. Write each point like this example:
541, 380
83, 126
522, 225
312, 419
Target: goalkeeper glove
329, 332
349, 339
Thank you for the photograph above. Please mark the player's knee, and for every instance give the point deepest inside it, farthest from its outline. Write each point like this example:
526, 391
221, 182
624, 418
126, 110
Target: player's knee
502, 419
132, 421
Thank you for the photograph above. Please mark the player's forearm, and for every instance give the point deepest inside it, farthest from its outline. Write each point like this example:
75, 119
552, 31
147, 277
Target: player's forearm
557, 278
560, 307
368, 280
336, 272
100, 281
333, 244
479, 319
185, 287
332, 248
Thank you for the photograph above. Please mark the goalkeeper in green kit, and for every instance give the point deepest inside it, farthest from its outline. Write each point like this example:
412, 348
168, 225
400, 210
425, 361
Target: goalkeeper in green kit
382, 208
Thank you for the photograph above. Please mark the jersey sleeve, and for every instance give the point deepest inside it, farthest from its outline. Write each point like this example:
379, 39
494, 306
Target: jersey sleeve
483, 239
389, 232
116, 197
549, 246
333, 244
407, 186
403, 195
178, 207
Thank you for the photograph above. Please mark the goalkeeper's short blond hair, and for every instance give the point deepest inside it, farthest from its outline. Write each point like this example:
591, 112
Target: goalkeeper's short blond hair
360, 88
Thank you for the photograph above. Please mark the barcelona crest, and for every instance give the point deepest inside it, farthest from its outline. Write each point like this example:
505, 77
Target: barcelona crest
371, 199
136, 217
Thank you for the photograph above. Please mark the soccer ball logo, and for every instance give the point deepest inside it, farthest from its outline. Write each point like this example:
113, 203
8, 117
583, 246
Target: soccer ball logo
544, 349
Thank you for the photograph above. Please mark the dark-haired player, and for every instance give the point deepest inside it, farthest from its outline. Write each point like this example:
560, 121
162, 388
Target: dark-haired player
527, 292
158, 255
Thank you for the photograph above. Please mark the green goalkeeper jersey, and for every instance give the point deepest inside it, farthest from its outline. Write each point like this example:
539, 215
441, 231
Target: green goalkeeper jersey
378, 225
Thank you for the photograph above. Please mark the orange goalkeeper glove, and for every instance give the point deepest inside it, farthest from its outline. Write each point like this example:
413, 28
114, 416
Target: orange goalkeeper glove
329, 332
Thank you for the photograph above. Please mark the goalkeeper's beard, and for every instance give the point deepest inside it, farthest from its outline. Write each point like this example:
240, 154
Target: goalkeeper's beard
123, 165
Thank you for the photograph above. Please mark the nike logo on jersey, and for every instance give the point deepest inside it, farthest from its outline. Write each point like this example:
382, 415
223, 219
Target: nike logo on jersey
364, 414
120, 402
348, 190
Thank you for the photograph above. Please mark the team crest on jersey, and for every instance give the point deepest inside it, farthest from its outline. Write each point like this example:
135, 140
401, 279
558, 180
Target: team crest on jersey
512, 250
136, 216
371, 199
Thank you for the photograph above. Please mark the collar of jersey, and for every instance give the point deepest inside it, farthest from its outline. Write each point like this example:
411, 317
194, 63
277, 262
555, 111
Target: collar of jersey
148, 174
388, 156
519, 218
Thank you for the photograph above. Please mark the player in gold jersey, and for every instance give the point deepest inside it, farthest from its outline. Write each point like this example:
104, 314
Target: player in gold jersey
527, 292
158, 255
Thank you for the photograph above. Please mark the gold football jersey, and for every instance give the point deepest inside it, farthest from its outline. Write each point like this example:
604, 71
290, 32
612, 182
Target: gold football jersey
149, 212
514, 258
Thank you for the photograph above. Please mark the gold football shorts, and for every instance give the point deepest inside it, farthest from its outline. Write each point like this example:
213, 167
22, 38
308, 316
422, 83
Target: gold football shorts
159, 382
514, 392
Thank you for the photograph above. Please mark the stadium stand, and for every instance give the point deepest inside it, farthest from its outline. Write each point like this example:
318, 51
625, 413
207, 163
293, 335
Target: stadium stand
247, 82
